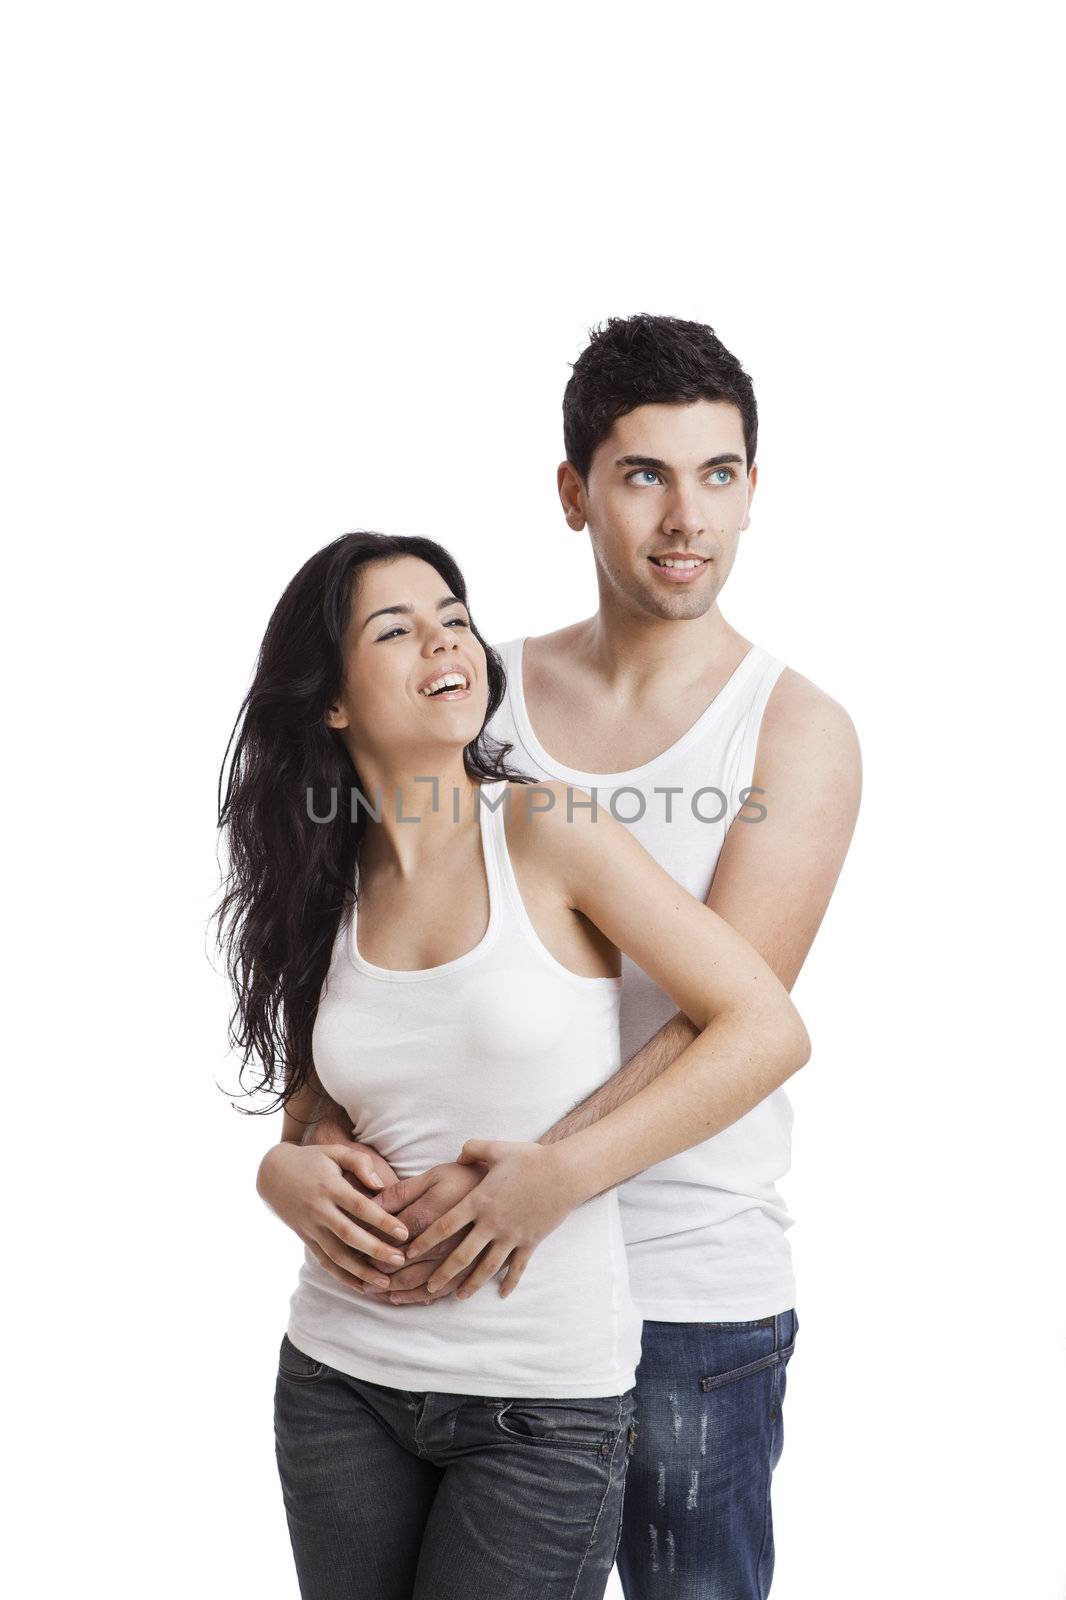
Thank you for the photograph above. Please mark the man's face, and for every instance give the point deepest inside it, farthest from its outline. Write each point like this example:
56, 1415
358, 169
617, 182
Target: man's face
667, 484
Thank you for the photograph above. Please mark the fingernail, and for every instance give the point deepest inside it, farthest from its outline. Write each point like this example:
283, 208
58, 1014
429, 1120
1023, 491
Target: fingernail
381, 1283
400, 1231
396, 1258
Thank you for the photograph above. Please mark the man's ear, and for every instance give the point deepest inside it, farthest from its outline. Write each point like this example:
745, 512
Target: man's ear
753, 478
568, 482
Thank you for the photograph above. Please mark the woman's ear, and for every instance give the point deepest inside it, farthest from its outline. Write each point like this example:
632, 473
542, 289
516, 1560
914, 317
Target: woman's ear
336, 717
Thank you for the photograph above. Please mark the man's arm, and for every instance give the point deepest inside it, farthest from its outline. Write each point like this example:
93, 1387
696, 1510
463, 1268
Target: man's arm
329, 1123
775, 877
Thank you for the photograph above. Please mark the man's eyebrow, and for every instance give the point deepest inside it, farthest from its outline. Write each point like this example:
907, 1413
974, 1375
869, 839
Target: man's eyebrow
661, 466
449, 600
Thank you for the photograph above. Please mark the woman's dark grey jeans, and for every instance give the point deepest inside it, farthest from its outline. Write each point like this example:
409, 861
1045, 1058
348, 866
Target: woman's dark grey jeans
393, 1494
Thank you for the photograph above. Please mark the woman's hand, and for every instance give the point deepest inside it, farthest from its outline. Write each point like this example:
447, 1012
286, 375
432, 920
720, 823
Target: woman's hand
527, 1191
310, 1189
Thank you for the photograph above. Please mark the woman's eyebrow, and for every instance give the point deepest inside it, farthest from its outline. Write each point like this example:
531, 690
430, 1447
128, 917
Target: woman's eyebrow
407, 610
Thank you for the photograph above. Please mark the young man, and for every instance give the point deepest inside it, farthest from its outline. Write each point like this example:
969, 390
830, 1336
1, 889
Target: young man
664, 711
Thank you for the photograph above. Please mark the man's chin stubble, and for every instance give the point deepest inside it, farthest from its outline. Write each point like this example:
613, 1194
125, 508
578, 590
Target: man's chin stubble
676, 608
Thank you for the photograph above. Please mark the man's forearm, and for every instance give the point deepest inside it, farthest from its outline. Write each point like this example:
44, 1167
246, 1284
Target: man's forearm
654, 1057
720, 1075
330, 1124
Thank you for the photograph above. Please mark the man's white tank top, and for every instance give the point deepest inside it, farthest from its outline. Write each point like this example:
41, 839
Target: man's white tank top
497, 1044
704, 1230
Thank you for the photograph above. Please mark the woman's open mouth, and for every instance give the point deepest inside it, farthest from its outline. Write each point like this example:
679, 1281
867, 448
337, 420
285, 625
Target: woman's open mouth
449, 686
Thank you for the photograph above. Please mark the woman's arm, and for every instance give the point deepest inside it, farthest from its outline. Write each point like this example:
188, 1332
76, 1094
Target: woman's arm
317, 1190
750, 1040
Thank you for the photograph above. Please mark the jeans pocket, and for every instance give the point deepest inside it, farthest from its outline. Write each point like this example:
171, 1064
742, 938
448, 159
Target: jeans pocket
293, 1363
735, 1350
578, 1424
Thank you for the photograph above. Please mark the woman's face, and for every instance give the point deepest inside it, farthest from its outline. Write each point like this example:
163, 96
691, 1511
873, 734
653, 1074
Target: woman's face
406, 632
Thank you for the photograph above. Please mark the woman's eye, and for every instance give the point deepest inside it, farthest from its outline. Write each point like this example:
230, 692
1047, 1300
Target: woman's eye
455, 622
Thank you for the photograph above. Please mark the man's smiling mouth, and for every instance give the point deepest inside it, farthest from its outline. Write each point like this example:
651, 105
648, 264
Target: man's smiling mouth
678, 567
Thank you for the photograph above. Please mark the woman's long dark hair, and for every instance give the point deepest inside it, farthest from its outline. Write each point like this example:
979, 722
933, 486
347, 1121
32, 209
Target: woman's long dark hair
289, 877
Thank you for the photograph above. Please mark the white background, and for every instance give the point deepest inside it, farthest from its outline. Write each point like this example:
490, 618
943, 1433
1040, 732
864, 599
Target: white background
276, 272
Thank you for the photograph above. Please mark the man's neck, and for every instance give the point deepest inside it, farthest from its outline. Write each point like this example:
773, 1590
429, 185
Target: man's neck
605, 695
633, 658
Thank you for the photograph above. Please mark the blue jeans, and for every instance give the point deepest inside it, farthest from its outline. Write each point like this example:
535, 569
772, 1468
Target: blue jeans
393, 1494
697, 1523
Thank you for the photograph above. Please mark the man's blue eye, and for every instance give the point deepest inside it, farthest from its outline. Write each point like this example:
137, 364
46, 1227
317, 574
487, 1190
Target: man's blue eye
723, 474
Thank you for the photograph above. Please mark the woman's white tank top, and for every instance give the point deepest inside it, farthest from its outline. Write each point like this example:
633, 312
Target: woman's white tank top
497, 1044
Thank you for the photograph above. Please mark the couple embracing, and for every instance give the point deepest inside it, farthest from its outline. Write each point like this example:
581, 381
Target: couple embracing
511, 931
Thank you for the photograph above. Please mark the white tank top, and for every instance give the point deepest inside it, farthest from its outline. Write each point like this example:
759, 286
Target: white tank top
705, 1230
497, 1044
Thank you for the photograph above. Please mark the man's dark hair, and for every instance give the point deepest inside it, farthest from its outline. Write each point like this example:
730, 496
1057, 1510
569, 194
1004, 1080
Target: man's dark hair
646, 360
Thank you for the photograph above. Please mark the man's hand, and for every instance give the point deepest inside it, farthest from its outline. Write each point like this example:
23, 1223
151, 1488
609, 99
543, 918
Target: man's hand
527, 1192
317, 1191
418, 1202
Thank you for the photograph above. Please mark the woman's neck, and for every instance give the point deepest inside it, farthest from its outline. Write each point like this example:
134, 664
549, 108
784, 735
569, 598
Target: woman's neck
411, 818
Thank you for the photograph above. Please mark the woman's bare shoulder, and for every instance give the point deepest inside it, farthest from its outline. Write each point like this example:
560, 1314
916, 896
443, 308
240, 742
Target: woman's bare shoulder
555, 823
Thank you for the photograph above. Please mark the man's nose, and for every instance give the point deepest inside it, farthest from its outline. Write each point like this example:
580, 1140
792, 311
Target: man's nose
684, 516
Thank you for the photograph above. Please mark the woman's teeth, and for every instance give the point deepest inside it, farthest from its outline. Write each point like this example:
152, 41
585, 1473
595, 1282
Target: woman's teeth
451, 680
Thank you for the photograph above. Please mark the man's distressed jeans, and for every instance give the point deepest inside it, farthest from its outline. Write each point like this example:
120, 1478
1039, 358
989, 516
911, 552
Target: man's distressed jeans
696, 1522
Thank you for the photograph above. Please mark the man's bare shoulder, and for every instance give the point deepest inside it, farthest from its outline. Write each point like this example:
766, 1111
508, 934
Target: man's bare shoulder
799, 710
805, 733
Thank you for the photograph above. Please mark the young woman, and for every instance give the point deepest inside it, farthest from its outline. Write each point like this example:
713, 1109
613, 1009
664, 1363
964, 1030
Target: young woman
435, 942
